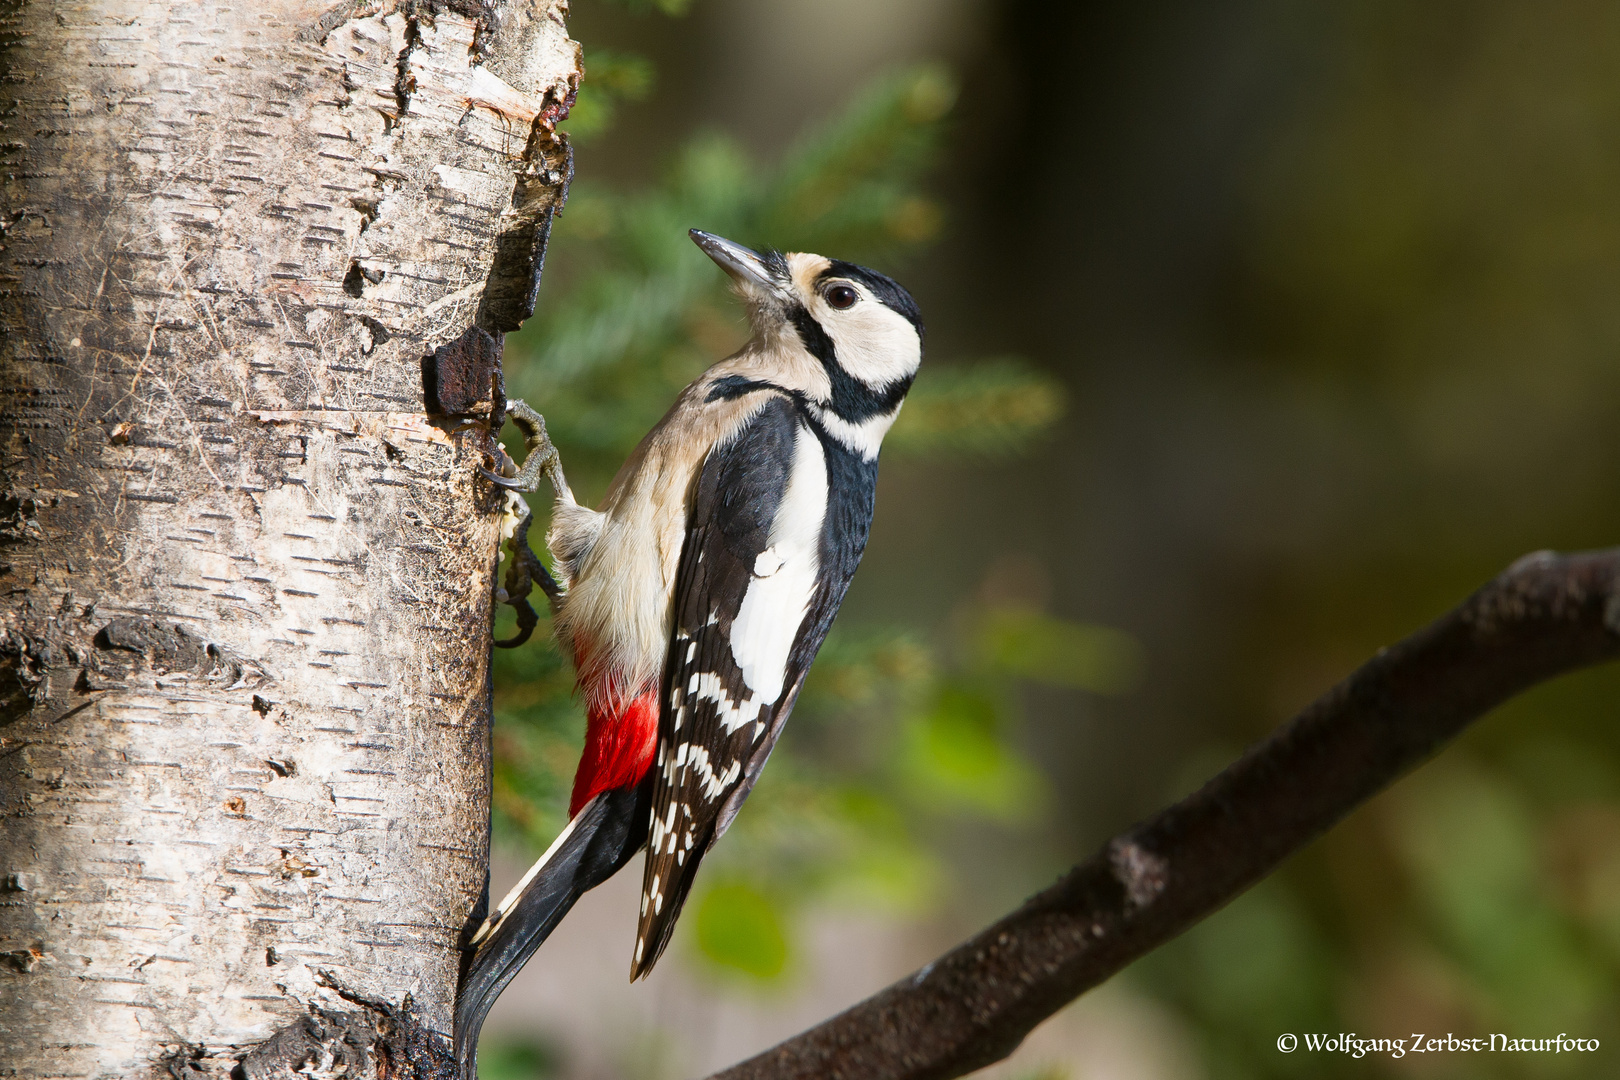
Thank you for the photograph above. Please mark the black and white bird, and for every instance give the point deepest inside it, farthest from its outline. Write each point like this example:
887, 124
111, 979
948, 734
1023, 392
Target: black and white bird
695, 599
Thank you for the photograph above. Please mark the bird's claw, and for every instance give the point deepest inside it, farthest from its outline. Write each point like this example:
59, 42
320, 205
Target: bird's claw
511, 483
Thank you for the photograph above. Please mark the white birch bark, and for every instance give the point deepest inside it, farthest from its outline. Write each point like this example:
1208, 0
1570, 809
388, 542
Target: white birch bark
245, 578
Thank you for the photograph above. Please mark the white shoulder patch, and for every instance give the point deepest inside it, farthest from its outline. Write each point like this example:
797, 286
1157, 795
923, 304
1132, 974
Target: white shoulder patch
784, 575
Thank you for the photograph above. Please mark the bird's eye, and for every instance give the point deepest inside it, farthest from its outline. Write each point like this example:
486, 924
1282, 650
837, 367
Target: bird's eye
842, 296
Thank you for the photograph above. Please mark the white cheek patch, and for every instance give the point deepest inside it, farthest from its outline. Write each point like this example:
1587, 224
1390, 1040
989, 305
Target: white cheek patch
774, 605
874, 343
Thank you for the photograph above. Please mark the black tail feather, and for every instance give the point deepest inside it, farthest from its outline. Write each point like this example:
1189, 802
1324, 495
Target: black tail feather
606, 834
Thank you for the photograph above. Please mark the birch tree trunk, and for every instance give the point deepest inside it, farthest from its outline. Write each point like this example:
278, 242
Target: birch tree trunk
245, 575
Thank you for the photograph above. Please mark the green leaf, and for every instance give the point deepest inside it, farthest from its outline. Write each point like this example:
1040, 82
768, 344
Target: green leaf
1468, 844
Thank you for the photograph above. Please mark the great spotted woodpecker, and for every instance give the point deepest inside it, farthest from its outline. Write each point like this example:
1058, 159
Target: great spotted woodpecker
695, 600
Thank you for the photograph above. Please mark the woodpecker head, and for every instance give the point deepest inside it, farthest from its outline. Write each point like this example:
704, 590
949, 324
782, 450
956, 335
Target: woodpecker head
861, 328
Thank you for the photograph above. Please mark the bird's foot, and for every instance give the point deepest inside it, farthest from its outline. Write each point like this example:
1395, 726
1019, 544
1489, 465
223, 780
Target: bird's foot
540, 457
526, 570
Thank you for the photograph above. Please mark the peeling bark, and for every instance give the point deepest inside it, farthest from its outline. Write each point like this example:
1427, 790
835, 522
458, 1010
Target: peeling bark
245, 574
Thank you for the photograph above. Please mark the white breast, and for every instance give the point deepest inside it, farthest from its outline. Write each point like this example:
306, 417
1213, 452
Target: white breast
784, 578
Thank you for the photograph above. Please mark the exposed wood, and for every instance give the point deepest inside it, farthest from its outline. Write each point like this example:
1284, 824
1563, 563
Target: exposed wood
245, 577
1546, 615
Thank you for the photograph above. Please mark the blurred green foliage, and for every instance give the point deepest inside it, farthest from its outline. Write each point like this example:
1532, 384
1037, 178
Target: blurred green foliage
1056, 651
516, 1060
668, 7
739, 928
633, 311
643, 311
989, 409
955, 753
1457, 906
613, 78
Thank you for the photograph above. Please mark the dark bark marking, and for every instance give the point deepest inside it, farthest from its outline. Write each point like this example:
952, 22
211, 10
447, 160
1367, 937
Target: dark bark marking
378, 1042
461, 375
22, 961
170, 648
520, 250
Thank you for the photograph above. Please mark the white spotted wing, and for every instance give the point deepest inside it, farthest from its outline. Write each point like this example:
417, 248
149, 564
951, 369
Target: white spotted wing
751, 608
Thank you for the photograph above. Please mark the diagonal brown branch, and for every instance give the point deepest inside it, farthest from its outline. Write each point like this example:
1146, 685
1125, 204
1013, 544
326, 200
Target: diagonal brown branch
1544, 616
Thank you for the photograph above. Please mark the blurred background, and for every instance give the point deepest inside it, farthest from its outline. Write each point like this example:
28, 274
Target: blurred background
1260, 334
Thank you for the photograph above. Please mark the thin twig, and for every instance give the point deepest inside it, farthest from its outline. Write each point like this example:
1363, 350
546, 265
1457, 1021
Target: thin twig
1546, 615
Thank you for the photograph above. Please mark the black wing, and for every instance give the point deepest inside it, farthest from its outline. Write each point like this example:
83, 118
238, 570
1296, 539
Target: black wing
715, 729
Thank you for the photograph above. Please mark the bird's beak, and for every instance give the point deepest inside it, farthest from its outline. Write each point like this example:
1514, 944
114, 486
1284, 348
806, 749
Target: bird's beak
745, 265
